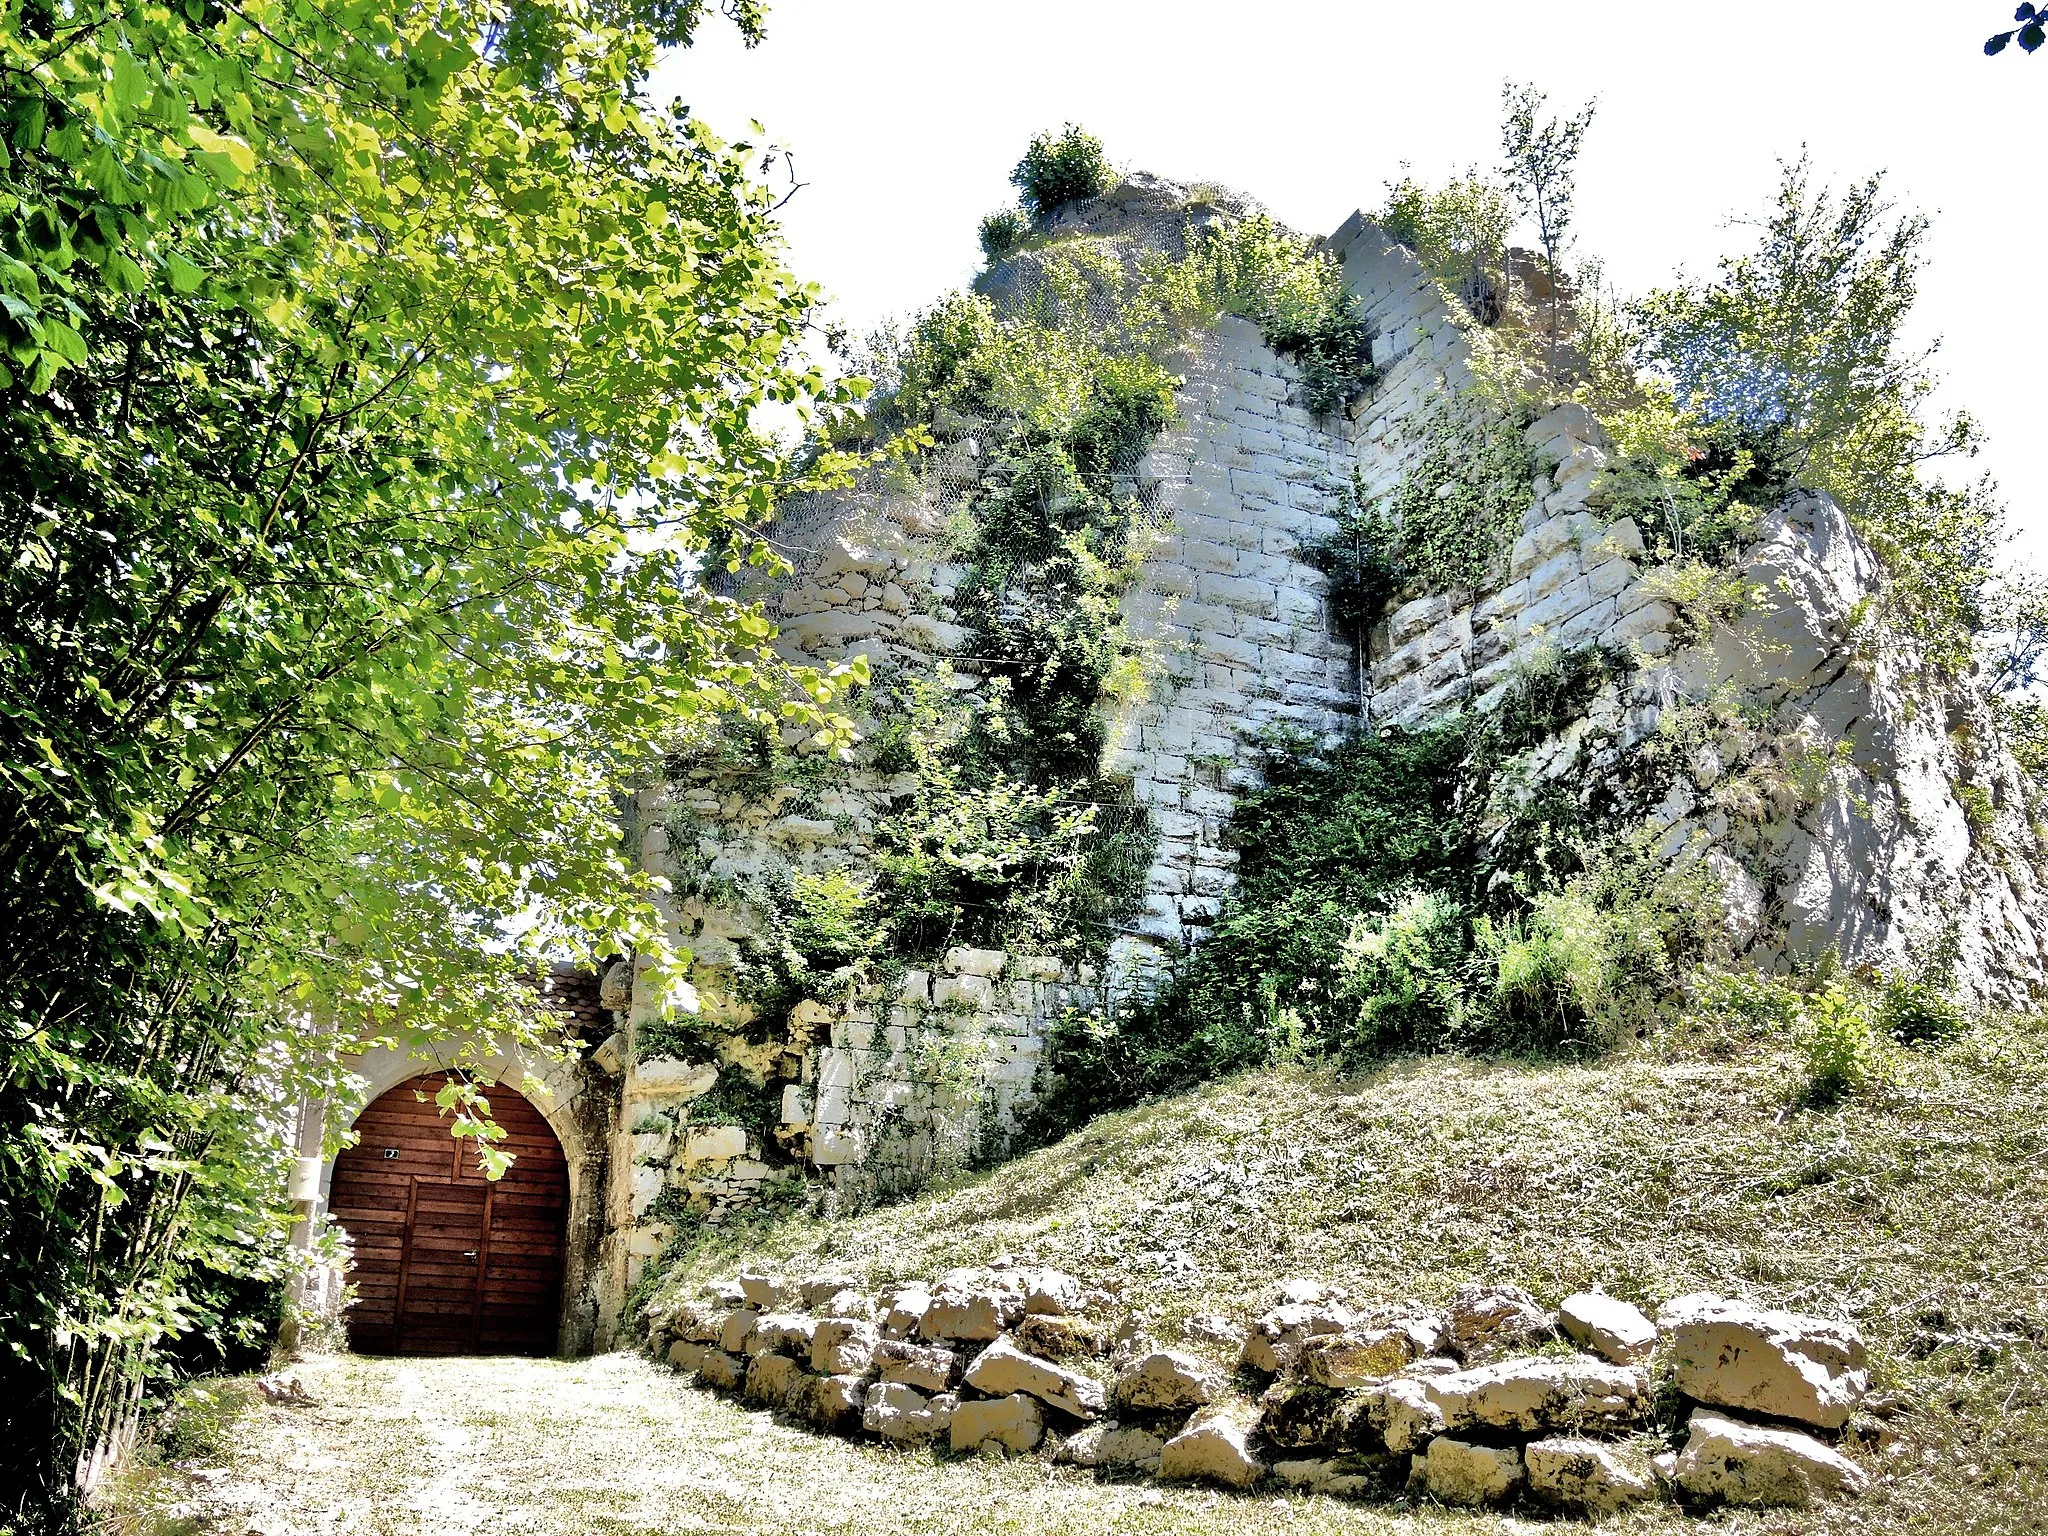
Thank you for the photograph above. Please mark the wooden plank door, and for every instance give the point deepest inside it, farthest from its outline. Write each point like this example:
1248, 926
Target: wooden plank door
447, 1262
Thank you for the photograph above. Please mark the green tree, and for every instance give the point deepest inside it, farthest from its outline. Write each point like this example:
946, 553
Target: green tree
375, 386
1539, 162
1800, 341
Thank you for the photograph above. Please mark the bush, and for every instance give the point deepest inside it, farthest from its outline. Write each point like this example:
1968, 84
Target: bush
1061, 168
1914, 1011
1407, 972
1002, 232
1843, 1052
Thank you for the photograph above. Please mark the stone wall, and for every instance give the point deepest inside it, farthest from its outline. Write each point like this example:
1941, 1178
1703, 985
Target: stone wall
1875, 857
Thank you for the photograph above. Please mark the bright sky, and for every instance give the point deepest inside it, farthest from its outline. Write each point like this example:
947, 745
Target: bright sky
906, 116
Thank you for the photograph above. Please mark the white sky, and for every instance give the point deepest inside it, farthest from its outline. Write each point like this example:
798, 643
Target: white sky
906, 116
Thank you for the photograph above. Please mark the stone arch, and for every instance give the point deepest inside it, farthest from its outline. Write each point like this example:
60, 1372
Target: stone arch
573, 1097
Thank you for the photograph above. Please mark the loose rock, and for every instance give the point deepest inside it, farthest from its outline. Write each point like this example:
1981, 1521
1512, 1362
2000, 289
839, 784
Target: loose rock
817, 1290
1167, 1379
1342, 1477
901, 1308
965, 1314
1484, 1320
765, 1292
1734, 1355
1607, 1325
1401, 1413
1459, 1472
1003, 1369
1748, 1464
1276, 1339
776, 1381
929, 1368
1358, 1357
736, 1329
1539, 1393
1110, 1444
1215, 1446
721, 1371
836, 1403
1014, 1424
897, 1412
1585, 1476
843, 1346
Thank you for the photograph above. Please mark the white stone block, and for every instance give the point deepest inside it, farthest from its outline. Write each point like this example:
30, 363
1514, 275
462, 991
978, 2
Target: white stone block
715, 1144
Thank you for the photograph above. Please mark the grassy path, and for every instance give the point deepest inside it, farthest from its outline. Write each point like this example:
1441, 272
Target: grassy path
615, 1446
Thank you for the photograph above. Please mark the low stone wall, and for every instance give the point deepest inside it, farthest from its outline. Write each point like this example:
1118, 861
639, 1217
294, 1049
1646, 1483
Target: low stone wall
1492, 1400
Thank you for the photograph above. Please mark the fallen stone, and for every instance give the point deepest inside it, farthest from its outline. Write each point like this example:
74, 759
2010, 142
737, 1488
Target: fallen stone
1110, 1444
1301, 1416
776, 1381
1608, 1326
721, 1372
1167, 1379
1275, 1340
836, 1403
929, 1368
697, 1322
1401, 1414
1459, 1472
1058, 1338
736, 1328
816, 1290
1004, 1370
1341, 1477
843, 1346
765, 1292
1358, 1357
785, 1333
962, 1314
901, 1413
1748, 1464
1051, 1293
1484, 1320
1216, 1447
901, 1308
1780, 1364
1585, 1477
1012, 1424
688, 1354
1539, 1393
1210, 1328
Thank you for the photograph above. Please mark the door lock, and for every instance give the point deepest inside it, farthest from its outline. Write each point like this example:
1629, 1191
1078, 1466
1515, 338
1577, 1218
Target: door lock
470, 1255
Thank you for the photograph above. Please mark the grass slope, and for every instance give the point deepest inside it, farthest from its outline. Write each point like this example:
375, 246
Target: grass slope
1919, 1208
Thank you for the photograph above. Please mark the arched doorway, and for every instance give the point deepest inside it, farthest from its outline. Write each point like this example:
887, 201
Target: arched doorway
448, 1262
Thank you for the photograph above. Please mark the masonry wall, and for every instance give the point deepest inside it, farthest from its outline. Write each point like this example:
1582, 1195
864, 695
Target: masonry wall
881, 1088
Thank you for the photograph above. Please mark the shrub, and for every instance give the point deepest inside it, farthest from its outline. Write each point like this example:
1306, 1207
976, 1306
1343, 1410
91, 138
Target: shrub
1061, 168
1002, 232
1407, 973
1843, 1052
1914, 1011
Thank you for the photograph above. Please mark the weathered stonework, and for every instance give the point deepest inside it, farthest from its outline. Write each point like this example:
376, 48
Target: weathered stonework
1869, 853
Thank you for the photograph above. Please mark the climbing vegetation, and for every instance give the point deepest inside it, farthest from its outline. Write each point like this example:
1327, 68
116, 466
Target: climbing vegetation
1025, 421
1412, 890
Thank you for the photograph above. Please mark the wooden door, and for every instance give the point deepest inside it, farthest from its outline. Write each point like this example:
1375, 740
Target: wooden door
446, 1261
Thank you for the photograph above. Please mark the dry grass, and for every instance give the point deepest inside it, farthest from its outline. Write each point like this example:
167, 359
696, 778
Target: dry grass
1921, 1210
616, 1447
